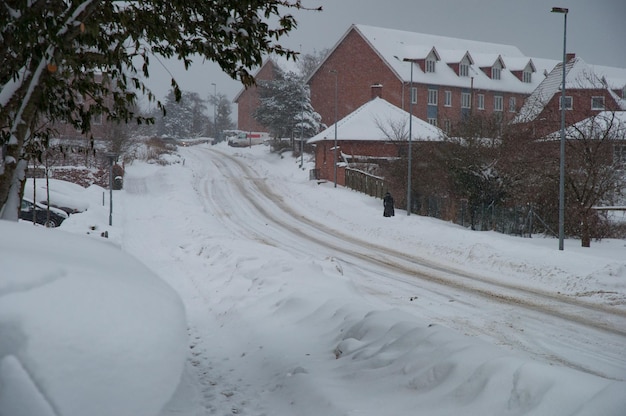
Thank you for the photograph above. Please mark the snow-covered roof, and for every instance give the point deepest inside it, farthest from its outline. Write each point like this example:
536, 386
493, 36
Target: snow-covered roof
368, 122
601, 122
284, 64
578, 75
394, 46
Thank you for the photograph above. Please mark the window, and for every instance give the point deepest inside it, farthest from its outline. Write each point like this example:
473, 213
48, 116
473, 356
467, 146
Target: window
448, 99
96, 119
432, 121
512, 105
432, 97
413, 95
498, 103
464, 69
597, 103
466, 100
447, 126
481, 101
569, 104
430, 65
527, 77
495, 73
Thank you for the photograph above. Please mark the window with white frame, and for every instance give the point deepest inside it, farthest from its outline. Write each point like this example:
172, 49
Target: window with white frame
433, 121
447, 99
569, 102
495, 72
498, 103
96, 119
597, 103
481, 101
413, 95
447, 125
432, 97
512, 104
430, 64
527, 77
466, 98
464, 69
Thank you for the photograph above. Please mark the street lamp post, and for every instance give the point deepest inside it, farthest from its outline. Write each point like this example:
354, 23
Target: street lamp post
334, 71
112, 157
408, 180
214, 111
562, 152
302, 129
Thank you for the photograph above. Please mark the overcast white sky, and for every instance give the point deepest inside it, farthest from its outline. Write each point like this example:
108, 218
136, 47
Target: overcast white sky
595, 31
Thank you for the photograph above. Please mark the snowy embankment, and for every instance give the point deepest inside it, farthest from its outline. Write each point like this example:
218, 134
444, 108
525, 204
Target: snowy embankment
85, 329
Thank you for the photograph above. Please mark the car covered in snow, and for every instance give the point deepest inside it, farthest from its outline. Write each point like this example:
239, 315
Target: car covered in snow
41, 214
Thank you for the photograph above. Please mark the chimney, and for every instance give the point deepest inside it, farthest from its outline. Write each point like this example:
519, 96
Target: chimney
570, 56
377, 91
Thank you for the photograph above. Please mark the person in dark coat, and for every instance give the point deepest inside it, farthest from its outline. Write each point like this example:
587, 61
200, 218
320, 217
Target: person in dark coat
388, 205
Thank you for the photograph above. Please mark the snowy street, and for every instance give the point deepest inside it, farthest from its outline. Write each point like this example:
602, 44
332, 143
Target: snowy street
275, 270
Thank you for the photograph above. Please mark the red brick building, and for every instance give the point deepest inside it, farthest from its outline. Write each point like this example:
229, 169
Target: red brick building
377, 131
248, 98
589, 90
443, 79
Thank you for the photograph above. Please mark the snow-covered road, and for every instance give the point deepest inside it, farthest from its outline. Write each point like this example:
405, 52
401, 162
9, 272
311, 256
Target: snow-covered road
509, 314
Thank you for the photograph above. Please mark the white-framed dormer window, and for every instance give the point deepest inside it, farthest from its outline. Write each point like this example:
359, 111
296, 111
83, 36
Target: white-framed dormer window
413, 95
447, 101
464, 69
432, 97
512, 104
498, 103
527, 77
597, 103
430, 64
481, 101
495, 72
466, 98
569, 102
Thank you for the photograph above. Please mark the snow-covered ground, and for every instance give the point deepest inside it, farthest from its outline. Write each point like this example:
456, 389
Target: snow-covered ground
301, 299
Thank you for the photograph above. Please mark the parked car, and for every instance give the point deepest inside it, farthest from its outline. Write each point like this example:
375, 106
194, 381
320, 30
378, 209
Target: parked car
39, 212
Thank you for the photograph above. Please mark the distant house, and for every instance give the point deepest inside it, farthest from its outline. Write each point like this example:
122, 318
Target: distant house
376, 131
589, 90
442, 79
248, 99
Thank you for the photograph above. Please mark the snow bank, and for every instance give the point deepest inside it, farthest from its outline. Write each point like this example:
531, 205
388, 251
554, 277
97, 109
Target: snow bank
86, 329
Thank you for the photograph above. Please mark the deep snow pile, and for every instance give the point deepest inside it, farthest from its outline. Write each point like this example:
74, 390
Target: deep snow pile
85, 329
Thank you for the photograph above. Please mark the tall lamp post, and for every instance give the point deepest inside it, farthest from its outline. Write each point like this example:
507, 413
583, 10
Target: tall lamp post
112, 157
408, 180
562, 161
214, 111
334, 71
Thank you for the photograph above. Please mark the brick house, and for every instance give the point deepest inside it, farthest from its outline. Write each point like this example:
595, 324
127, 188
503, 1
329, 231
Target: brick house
248, 99
442, 79
589, 90
375, 132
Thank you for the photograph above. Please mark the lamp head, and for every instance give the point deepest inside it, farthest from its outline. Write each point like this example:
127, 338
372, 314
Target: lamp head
559, 10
